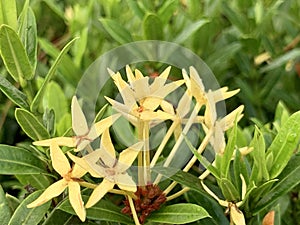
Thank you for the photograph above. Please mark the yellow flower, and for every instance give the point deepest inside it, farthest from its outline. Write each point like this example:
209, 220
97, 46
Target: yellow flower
84, 135
103, 163
70, 178
141, 99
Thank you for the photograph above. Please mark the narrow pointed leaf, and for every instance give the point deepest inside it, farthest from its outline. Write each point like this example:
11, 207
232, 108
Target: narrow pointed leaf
134, 5
15, 160
5, 213
229, 190
116, 31
31, 125
14, 94
190, 30
14, 55
153, 27
179, 214
26, 216
37, 99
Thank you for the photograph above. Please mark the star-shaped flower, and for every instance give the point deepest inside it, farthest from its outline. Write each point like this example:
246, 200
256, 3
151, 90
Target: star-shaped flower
70, 179
140, 98
103, 163
84, 135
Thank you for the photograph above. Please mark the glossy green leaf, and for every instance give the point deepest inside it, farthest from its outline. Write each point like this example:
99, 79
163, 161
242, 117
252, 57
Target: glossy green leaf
229, 191
31, 125
28, 33
179, 214
5, 213
281, 114
64, 124
49, 121
240, 168
153, 27
80, 46
15, 160
284, 144
12, 201
289, 178
14, 94
37, 181
26, 216
190, 30
8, 13
184, 178
116, 31
102, 211
14, 55
62, 218
37, 99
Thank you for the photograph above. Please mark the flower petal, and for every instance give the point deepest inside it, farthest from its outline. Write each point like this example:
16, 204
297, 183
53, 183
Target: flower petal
76, 200
82, 162
222, 94
61, 141
151, 103
127, 157
210, 115
184, 105
105, 123
59, 161
78, 171
79, 123
99, 192
228, 121
108, 150
159, 81
237, 216
167, 89
52, 191
125, 182
158, 115
141, 88
130, 76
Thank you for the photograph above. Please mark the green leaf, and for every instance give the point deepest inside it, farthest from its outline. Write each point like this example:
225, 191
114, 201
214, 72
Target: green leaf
291, 55
184, 178
228, 152
80, 46
26, 216
289, 178
166, 11
8, 13
12, 201
28, 33
203, 160
37, 99
52, 94
190, 30
62, 218
102, 211
229, 191
116, 31
153, 27
14, 55
14, 94
134, 5
5, 213
284, 144
31, 125
37, 181
179, 214
15, 160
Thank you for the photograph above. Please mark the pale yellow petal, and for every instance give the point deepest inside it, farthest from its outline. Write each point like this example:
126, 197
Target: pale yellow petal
78, 171
127, 156
151, 103
107, 144
141, 88
187, 81
130, 76
79, 123
159, 81
82, 144
52, 191
197, 87
82, 162
167, 89
120, 107
158, 115
138, 74
76, 200
228, 121
167, 107
222, 94
210, 114
184, 105
98, 193
59, 161
218, 140
105, 123
165, 73
125, 182
237, 216
61, 141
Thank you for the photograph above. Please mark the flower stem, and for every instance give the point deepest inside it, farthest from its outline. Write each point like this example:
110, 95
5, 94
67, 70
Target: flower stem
134, 214
146, 153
